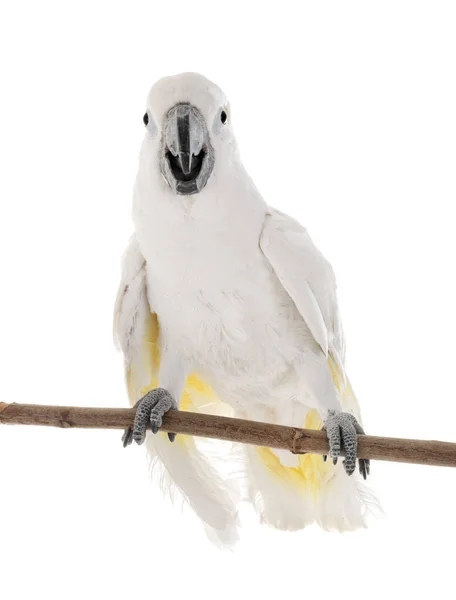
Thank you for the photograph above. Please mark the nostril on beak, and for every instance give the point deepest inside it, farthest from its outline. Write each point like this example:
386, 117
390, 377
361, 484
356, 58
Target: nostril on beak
185, 159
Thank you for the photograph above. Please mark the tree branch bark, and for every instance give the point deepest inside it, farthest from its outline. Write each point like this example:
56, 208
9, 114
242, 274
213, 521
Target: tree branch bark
296, 440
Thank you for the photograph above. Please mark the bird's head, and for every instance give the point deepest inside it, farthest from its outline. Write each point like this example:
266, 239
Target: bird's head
187, 122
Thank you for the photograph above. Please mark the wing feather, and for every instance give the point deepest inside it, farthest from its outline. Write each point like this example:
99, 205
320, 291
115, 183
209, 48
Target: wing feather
307, 277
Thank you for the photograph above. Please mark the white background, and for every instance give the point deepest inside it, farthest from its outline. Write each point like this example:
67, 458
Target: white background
345, 115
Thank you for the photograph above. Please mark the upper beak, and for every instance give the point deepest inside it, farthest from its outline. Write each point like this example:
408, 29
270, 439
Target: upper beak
184, 136
183, 139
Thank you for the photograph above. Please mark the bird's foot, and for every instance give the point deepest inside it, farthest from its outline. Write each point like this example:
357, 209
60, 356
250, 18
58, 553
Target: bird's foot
342, 429
149, 410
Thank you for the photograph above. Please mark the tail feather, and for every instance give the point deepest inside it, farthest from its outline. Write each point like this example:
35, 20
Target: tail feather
277, 492
182, 470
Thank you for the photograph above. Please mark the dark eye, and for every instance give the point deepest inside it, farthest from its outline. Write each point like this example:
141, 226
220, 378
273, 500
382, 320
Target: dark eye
146, 119
223, 117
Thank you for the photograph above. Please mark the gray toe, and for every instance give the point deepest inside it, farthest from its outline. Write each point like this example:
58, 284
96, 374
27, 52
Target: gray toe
333, 431
163, 403
350, 442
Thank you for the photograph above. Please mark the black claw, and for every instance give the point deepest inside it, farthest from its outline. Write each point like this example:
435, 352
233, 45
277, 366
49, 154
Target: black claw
127, 437
154, 429
172, 437
325, 458
335, 461
364, 467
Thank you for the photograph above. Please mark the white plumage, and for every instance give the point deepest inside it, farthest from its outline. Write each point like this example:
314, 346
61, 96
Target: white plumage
220, 287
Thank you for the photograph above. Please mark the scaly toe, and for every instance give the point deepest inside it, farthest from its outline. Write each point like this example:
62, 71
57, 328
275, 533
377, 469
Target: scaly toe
144, 409
164, 403
156, 422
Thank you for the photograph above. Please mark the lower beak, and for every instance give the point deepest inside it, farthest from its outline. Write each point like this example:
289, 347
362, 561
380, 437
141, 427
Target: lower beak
185, 161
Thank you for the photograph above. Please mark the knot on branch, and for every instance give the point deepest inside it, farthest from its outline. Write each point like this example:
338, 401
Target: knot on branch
298, 434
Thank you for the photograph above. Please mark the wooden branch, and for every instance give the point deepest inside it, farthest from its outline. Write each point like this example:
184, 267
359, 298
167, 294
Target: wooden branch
296, 440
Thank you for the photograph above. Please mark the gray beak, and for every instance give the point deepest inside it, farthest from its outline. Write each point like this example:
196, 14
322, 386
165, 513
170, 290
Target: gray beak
187, 156
186, 149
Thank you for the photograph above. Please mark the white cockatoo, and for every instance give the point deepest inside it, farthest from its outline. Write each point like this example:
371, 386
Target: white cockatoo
224, 299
